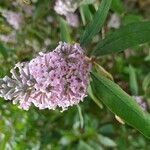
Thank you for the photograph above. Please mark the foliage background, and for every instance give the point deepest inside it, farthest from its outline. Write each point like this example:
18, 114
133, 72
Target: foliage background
47, 129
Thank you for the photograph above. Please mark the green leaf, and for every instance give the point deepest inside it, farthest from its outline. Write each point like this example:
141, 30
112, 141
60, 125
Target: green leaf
2, 71
86, 2
86, 14
42, 9
121, 103
146, 84
82, 145
97, 22
4, 50
106, 141
107, 129
131, 18
147, 58
95, 145
102, 71
133, 81
123, 38
117, 6
64, 30
94, 98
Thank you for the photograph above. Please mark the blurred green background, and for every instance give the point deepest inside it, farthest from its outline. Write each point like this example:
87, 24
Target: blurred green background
40, 28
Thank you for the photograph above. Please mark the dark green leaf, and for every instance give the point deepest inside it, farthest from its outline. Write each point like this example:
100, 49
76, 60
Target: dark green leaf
123, 38
97, 22
121, 103
86, 14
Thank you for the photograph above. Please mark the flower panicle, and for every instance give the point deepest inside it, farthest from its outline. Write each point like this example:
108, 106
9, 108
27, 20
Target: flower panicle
67, 9
55, 79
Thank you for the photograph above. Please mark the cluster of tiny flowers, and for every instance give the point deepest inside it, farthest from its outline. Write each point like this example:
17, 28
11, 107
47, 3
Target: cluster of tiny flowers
72, 19
19, 87
63, 7
114, 22
67, 8
56, 79
141, 102
13, 18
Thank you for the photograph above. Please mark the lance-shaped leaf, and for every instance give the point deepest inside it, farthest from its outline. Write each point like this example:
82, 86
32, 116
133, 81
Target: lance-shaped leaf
85, 13
120, 103
123, 38
64, 30
97, 22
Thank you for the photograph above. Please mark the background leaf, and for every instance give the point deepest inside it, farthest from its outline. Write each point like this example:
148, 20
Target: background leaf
64, 31
117, 6
146, 84
83, 145
123, 38
4, 50
106, 141
131, 18
94, 98
86, 2
121, 103
133, 80
97, 22
86, 14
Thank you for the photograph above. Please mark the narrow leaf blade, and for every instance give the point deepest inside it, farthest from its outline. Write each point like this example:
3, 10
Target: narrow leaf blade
86, 14
127, 36
133, 80
97, 22
121, 103
64, 30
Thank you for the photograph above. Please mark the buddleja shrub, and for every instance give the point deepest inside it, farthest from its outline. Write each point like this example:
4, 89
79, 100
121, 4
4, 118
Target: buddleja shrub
65, 76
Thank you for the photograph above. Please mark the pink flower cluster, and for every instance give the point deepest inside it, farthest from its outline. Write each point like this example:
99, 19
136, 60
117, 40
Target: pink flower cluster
68, 8
55, 79
13, 18
61, 77
141, 101
63, 7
